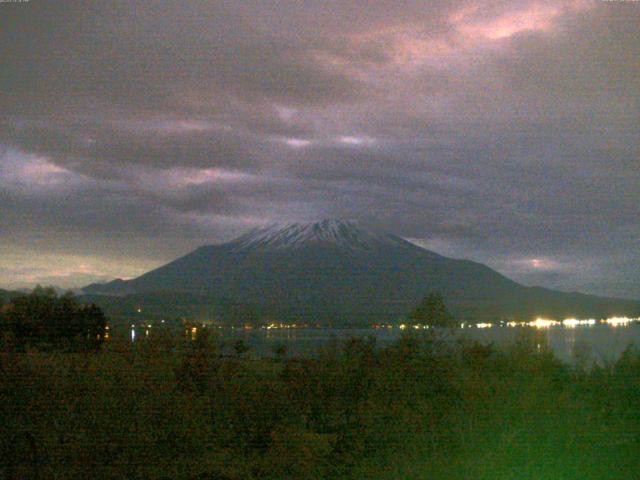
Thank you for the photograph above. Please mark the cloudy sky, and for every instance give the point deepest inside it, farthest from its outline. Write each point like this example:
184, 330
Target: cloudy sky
506, 132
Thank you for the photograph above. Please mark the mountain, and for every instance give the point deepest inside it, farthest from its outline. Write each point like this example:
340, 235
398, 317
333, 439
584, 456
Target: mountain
338, 272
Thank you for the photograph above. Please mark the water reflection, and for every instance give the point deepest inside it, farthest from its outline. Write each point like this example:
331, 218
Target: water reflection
574, 322
604, 339
571, 322
543, 323
620, 321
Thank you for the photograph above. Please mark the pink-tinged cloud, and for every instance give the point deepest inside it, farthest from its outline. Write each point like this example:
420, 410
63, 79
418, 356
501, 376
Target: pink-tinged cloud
65, 270
170, 125
25, 171
296, 142
178, 178
356, 140
472, 25
468, 29
534, 18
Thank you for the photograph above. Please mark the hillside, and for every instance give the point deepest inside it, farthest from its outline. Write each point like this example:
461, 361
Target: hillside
337, 272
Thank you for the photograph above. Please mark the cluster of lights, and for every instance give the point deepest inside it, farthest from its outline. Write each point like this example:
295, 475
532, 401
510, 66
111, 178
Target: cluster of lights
574, 322
417, 326
540, 323
276, 326
543, 323
619, 321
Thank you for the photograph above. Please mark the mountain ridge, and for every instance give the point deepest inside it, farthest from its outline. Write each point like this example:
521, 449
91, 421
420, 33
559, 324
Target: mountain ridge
345, 233
337, 271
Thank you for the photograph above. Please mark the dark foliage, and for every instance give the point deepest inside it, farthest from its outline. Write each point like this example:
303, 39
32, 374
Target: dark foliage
42, 319
432, 311
423, 408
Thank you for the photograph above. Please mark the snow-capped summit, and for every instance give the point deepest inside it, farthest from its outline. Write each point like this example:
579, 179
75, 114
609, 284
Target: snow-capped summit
343, 233
337, 272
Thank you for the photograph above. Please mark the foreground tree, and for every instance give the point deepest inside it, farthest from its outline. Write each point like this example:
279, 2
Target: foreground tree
432, 311
44, 319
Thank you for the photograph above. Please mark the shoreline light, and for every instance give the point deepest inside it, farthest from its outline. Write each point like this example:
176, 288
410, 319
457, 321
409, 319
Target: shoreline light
574, 322
619, 321
543, 323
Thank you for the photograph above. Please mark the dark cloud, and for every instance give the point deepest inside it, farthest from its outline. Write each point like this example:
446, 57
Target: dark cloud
505, 132
153, 56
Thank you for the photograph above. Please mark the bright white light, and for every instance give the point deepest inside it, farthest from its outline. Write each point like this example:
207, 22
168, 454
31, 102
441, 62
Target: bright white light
619, 321
484, 325
574, 322
542, 323
571, 322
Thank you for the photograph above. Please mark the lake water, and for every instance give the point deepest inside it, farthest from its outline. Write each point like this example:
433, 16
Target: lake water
601, 342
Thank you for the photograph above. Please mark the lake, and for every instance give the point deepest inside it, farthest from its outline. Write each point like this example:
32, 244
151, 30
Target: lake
603, 342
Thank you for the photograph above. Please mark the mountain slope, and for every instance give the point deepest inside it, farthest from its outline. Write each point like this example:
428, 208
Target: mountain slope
338, 272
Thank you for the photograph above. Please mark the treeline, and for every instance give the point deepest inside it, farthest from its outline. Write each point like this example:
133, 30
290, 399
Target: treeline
158, 306
423, 408
44, 320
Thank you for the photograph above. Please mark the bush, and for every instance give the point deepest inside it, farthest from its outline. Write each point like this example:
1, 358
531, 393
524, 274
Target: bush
42, 319
417, 409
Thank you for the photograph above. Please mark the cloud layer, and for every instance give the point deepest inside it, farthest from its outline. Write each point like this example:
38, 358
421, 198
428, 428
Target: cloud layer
505, 132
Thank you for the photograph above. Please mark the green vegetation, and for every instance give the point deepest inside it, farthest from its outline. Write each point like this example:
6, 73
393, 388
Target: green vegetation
45, 320
423, 408
432, 311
